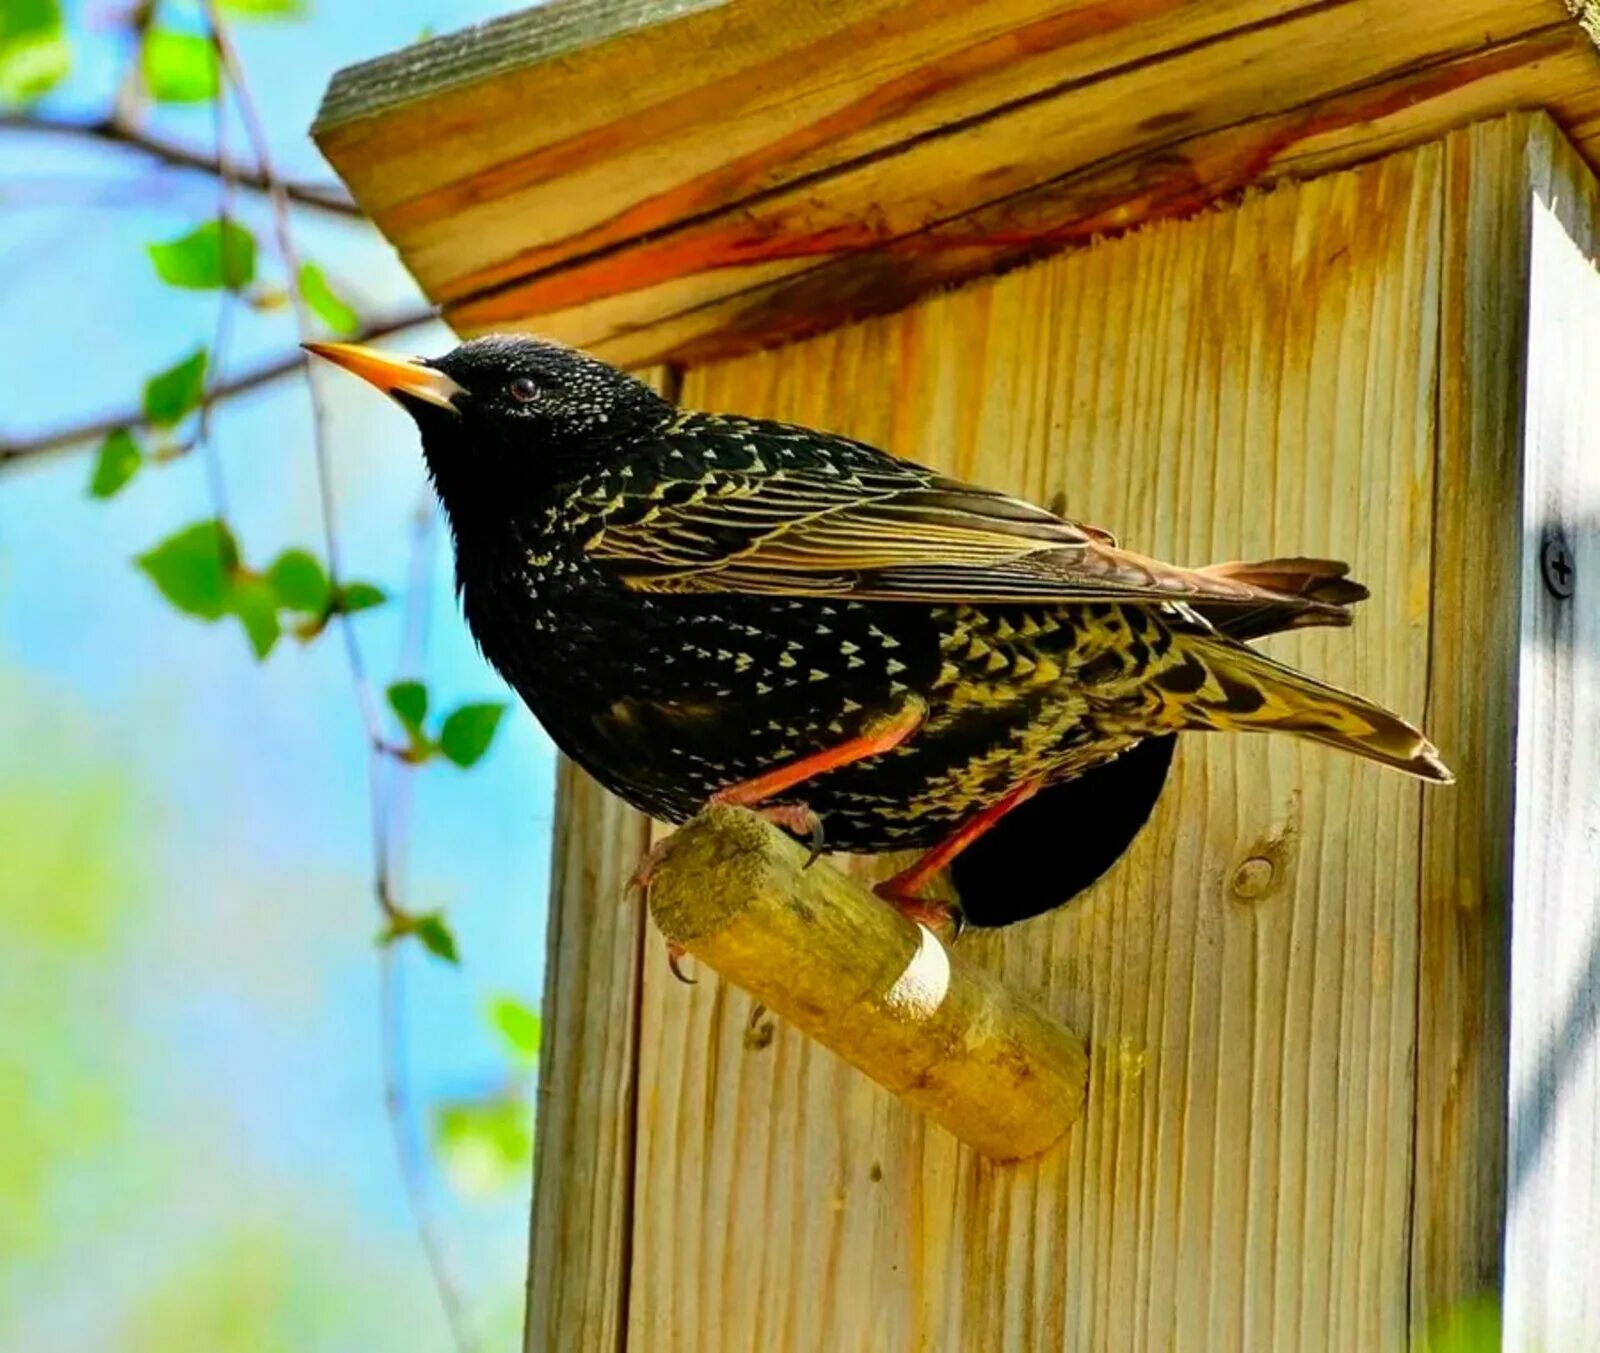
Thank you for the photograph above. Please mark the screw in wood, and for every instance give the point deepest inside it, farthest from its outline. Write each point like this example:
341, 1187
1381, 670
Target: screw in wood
1556, 564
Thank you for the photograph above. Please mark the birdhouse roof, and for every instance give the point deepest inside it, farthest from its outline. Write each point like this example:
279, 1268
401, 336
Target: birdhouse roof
677, 179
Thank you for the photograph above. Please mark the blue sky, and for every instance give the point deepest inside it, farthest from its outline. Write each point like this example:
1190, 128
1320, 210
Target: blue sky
249, 999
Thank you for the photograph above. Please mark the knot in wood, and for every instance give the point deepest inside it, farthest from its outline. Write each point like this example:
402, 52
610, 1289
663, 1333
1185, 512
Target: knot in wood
1252, 880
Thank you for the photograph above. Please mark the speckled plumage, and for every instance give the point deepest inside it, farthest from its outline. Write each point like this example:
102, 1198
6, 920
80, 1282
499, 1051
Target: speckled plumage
687, 600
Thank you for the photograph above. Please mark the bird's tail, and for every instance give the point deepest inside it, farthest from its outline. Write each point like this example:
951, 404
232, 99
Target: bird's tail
1244, 690
1298, 592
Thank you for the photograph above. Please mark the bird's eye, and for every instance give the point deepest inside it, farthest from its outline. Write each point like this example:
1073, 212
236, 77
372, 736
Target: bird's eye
523, 390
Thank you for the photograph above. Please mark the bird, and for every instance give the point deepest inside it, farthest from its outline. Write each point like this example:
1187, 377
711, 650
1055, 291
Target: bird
709, 608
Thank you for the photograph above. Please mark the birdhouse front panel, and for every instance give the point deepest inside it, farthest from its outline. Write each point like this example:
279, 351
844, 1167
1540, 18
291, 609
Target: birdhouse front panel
1255, 382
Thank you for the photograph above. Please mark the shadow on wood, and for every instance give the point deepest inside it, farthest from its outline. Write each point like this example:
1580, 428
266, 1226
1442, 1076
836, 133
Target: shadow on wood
819, 949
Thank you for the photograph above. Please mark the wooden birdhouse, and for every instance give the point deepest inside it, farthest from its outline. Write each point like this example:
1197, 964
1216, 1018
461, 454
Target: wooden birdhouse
1316, 1064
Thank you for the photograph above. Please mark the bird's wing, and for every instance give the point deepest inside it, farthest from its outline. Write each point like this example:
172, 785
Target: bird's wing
885, 530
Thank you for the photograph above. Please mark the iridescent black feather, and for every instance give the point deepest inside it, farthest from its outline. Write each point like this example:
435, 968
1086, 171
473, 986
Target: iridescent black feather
687, 600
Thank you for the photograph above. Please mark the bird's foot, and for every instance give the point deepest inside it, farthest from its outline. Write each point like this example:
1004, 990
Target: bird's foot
798, 819
931, 913
792, 817
675, 953
640, 883
649, 862
795, 818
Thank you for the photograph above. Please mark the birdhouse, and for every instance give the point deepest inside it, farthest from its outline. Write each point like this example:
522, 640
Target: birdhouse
1315, 1063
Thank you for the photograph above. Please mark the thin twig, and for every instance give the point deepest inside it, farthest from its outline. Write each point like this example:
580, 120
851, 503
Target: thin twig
392, 996
413, 645
392, 1032
283, 233
15, 450
129, 100
379, 764
204, 438
117, 131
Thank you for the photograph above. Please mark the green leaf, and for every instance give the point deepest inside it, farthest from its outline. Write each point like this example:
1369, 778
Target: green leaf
217, 254
179, 67
353, 597
437, 937
32, 65
330, 308
264, 9
21, 19
253, 600
34, 51
409, 701
468, 731
518, 1025
429, 929
177, 391
119, 460
485, 1145
299, 582
193, 568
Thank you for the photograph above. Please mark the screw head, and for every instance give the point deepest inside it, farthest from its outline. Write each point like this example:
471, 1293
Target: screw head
1557, 565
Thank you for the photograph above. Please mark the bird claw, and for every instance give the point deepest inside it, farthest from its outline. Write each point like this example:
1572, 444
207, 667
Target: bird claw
639, 880
675, 953
640, 883
929, 913
802, 821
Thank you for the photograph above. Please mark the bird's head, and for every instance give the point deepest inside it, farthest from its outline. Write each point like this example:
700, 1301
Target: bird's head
505, 415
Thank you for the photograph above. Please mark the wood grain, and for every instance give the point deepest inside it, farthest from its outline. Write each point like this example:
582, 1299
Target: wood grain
584, 1146
1458, 1205
1248, 382
1553, 1228
764, 169
942, 1035
703, 315
648, 128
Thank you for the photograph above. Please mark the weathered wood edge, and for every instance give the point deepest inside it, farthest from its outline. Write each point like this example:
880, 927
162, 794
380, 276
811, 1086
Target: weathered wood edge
452, 60
1082, 205
1553, 1170
1463, 1016
941, 1034
1587, 13
876, 277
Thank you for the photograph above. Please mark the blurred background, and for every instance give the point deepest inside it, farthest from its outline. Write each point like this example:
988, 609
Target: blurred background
195, 1151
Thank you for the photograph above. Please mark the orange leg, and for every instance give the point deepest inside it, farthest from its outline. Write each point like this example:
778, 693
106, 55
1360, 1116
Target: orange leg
901, 890
884, 738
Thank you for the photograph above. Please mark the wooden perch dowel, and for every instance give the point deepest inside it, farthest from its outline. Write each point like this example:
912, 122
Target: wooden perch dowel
823, 952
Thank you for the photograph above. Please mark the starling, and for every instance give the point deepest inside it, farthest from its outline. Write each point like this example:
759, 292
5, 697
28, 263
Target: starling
708, 608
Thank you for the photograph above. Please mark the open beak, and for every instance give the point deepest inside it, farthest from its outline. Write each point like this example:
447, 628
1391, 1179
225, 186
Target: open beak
395, 376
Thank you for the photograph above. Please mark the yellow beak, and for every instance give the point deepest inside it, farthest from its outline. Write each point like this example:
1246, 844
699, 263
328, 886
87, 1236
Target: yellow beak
393, 375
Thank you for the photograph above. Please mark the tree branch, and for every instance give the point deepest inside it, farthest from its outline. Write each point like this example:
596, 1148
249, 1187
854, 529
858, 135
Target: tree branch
13, 451
113, 131
379, 768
